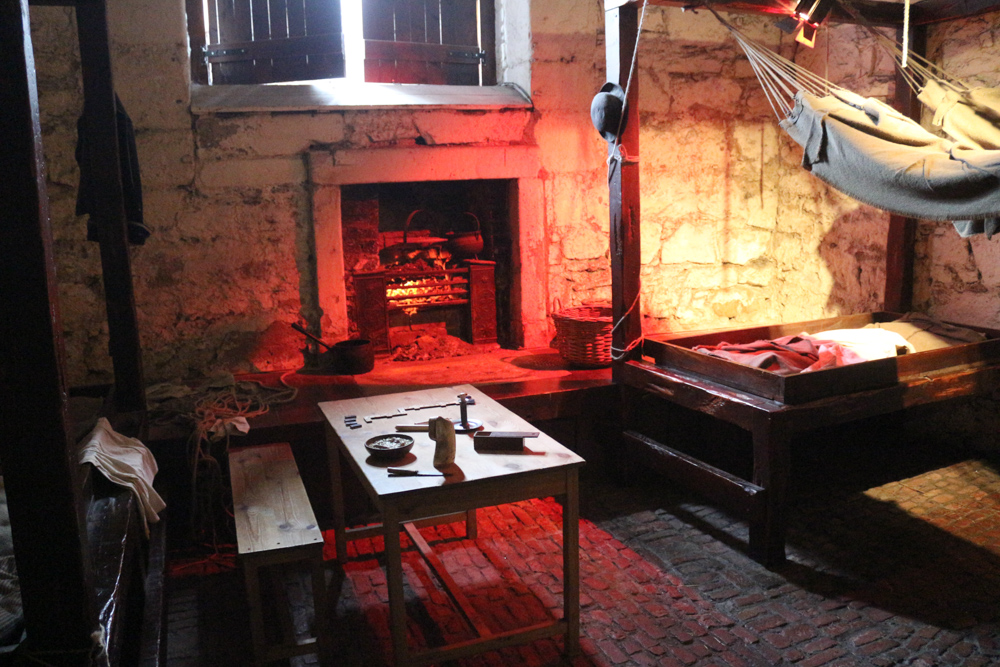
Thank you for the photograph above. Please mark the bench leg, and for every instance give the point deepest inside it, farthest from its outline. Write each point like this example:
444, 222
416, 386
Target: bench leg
251, 574
321, 612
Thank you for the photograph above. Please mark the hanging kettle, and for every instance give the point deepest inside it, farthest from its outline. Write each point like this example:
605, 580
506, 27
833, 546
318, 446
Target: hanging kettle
466, 243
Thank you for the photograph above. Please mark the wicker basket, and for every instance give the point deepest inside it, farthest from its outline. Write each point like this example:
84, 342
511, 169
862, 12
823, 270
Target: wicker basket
583, 335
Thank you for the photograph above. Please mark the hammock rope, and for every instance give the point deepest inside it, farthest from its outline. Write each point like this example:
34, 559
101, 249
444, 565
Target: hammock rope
873, 153
780, 77
915, 68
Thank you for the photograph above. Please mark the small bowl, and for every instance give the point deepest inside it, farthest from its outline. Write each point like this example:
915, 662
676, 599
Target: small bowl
389, 447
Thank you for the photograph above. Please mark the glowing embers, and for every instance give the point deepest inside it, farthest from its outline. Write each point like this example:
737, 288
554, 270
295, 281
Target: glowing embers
422, 258
413, 290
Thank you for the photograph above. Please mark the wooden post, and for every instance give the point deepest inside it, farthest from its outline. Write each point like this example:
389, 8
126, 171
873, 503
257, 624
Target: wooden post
99, 121
621, 33
39, 466
902, 230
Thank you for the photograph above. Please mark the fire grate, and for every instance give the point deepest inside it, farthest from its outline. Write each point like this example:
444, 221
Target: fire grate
470, 288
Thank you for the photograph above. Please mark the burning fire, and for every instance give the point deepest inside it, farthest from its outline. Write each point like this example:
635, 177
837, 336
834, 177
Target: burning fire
424, 291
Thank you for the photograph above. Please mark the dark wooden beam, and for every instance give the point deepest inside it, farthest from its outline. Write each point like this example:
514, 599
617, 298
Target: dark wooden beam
937, 11
196, 35
40, 470
875, 12
104, 166
488, 42
871, 11
899, 259
621, 33
62, 3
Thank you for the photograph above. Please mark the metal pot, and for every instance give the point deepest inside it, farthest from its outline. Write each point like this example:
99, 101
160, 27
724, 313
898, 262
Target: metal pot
398, 252
468, 243
354, 356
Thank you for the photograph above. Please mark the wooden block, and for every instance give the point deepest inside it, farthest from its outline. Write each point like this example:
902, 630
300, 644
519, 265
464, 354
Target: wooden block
500, 441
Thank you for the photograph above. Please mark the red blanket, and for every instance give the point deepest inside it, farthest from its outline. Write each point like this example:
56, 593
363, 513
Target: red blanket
786, 355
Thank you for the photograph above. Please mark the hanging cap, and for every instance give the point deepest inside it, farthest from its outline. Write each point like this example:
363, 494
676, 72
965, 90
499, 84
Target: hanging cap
608, 109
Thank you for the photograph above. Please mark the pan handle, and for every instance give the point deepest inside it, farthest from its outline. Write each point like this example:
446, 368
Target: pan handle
406, 227
298, 327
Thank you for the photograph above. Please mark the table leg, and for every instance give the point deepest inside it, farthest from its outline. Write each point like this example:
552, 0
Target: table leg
770, 470
336, 494
471, 525
571, 563
394, 579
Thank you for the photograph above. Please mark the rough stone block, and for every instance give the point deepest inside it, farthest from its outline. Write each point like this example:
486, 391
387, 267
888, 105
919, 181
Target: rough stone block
266, 134
153, 84
166, 158
569, 144
465, 127
741, 245
252, 173
690, 242
148, 22
567, 88
565, 17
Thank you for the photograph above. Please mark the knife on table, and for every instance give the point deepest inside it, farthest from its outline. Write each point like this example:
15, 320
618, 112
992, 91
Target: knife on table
404, 472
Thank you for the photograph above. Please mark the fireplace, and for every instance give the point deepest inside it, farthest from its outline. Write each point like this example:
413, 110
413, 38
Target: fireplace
430, 252
471, 290
361, 201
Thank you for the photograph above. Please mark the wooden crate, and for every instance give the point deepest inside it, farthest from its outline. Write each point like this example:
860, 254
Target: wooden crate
677, 353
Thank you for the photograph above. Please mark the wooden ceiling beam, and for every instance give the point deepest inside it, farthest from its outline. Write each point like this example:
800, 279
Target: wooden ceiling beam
872, 11
938, 11
875, 13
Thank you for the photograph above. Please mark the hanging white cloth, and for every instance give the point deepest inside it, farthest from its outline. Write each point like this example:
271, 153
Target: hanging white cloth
126, 462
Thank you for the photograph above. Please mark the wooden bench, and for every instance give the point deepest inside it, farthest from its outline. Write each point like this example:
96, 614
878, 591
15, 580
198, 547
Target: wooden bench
275, 526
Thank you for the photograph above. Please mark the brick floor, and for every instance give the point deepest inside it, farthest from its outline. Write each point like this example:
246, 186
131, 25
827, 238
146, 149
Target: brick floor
902, 571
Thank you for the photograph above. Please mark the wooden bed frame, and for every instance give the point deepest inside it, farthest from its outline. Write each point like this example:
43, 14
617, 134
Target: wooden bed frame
772, 424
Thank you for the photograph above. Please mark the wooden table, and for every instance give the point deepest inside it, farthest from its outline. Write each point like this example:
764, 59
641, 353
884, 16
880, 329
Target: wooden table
545, 468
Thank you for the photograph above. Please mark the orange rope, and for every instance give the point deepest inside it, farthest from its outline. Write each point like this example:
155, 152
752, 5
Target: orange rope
215, 412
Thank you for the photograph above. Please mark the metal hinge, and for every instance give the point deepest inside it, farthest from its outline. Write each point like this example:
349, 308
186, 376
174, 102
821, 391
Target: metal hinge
477, 55
215, 53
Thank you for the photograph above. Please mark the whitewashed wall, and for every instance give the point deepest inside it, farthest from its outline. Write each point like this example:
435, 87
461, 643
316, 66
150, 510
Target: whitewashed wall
959, 279
734, 232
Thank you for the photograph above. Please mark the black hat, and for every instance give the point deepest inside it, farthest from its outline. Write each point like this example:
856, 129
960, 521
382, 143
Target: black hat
607, 110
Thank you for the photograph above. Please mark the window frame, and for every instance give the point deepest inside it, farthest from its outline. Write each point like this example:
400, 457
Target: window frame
353, 59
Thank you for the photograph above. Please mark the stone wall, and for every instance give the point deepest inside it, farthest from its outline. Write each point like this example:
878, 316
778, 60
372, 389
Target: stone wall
734, 232
959, 279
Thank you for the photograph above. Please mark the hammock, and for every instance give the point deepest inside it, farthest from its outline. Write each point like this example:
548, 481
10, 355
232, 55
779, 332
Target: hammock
871, 152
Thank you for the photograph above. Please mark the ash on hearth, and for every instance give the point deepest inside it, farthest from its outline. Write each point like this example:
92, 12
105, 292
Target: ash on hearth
427, 346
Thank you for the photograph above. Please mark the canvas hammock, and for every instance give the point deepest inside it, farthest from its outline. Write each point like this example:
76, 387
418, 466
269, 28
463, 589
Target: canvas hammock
871, 152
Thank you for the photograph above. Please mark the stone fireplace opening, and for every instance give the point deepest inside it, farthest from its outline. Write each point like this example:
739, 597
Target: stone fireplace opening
430, 261
360, 202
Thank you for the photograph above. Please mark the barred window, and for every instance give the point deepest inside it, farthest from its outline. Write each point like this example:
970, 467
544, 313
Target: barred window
403, 41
